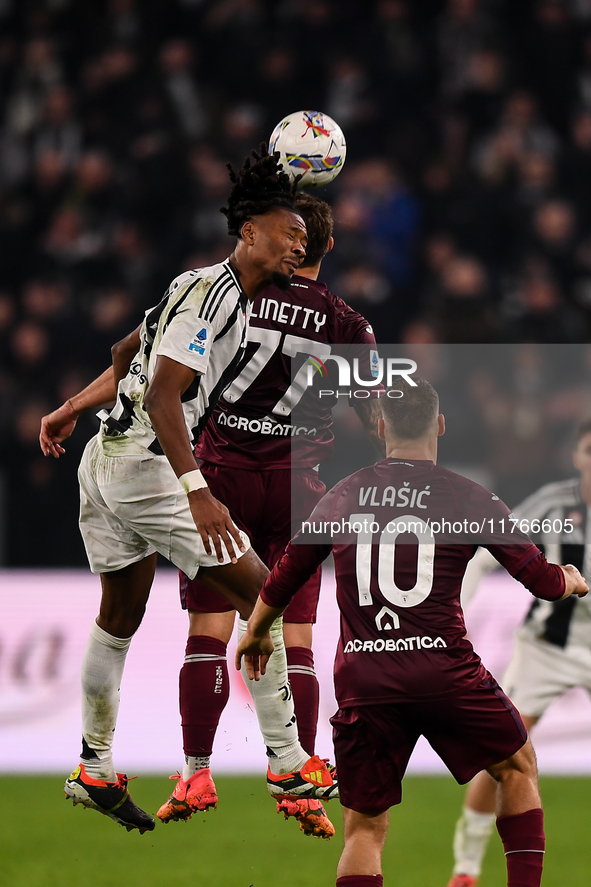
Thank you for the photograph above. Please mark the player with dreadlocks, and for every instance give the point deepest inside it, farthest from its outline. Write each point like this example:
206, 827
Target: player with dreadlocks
142, 493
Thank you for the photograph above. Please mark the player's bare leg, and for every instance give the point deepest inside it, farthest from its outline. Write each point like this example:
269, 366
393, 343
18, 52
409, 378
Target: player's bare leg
475, 826
95, 783
360, 864
520, 820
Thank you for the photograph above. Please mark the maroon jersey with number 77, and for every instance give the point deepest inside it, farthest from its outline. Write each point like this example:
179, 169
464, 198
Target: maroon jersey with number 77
267, 418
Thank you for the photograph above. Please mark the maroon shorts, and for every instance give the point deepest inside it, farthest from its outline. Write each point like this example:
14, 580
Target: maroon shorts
373, 743
269, 506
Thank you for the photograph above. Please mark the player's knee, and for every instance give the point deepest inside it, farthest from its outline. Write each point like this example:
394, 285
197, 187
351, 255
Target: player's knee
121, 622
253, 575
370, 828
521, 764
297, 634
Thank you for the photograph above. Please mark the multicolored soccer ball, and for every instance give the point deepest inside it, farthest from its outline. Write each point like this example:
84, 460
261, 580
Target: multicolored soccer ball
311, 145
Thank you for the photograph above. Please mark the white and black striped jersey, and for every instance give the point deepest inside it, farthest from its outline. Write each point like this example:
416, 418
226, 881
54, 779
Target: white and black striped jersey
560, 504
201, 323
563, 623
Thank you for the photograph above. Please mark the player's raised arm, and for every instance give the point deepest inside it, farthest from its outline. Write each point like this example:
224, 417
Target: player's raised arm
122, 353
59, 425
544, 580
295, 567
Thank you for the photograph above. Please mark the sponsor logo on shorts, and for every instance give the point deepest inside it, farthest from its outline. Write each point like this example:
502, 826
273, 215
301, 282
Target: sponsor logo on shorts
390, 645
264, 426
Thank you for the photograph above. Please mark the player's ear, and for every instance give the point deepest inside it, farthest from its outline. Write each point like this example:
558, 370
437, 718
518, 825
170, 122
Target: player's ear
381, 428
247, 233
440, 425
330, 244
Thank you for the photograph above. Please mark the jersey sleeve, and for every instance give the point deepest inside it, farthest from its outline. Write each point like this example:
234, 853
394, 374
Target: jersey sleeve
188, 340
189, 337
300, 559
512, 549
294, 568
353, 328
517, 553
357, 334
528, 565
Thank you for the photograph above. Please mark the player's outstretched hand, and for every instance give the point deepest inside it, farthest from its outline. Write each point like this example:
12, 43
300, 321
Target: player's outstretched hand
575, 583
256, 651
55, 427
214, 524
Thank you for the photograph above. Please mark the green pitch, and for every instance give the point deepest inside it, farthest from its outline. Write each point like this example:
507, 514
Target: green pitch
45, 842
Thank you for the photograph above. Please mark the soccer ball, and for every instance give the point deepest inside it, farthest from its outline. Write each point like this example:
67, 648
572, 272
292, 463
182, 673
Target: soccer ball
311, 145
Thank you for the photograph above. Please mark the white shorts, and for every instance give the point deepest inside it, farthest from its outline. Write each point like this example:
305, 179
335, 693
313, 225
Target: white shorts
134, 505
539, 672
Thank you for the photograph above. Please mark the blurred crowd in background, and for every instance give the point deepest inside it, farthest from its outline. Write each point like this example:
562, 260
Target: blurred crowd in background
463, 213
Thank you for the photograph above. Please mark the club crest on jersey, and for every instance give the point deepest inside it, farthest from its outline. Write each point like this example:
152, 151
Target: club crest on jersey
199, 341
392, 620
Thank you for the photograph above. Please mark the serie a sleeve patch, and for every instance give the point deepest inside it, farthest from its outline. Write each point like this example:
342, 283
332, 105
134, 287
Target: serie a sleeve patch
188, 340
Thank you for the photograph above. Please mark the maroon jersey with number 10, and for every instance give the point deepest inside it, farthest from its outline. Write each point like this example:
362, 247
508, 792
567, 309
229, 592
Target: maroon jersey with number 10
399, 577
267, 418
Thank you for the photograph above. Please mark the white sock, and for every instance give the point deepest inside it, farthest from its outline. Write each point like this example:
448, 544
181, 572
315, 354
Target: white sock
472, 834
102, 670
273, 703
193, 764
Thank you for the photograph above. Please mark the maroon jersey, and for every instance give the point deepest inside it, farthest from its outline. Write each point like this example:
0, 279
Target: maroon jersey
403, 635
267, 417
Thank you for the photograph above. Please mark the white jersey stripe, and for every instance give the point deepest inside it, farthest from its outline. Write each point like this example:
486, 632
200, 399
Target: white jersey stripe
205, 657
211, 295
564, 623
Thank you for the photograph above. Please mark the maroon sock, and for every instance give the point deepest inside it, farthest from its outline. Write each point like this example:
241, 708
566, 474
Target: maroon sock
361, 881
304, 686
524, 842
204, 692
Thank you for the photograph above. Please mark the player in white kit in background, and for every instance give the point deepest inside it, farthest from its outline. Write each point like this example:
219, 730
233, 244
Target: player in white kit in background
552, 650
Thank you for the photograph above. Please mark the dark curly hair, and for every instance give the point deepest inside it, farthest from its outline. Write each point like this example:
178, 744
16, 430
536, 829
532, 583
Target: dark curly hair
256, 188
